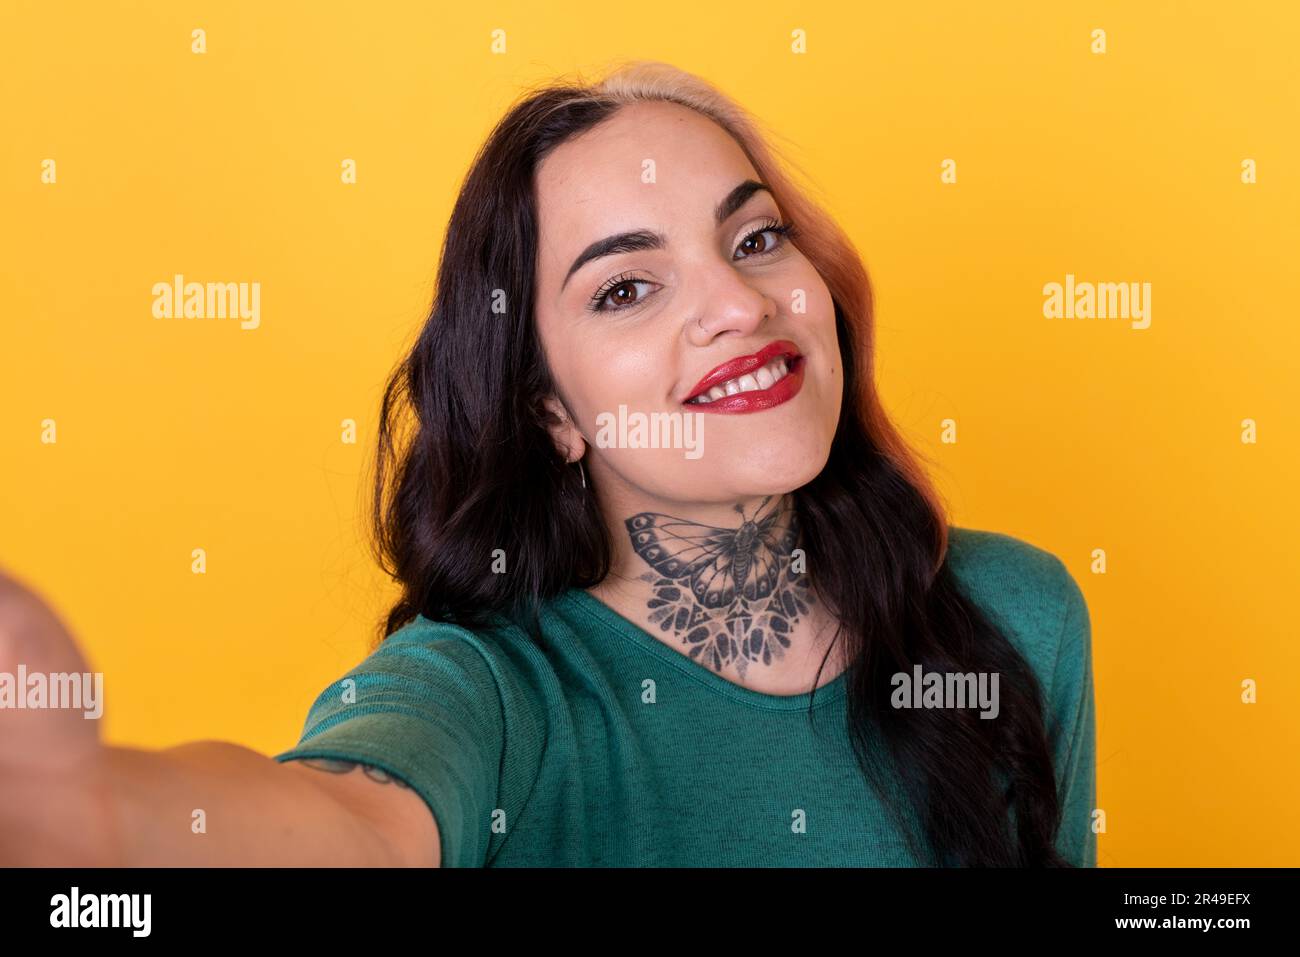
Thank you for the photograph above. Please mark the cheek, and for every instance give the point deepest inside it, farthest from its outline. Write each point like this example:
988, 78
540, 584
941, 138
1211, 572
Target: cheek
819, 326
822, 306
600, 376
818, 315
830, 389
628, 370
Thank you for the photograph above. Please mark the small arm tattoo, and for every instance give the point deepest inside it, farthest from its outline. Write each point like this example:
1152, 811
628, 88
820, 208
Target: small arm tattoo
336, 766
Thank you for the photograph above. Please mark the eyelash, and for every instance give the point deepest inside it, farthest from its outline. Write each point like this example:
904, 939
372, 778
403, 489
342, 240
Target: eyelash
786, 231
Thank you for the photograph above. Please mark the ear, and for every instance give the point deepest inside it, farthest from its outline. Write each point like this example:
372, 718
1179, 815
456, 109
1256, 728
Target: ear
568, 440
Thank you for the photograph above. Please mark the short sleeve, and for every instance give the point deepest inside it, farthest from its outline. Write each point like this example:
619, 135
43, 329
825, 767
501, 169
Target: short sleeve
434, 705
1072, 730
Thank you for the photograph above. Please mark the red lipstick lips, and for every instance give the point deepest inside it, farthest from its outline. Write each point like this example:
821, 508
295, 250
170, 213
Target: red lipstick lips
739, 403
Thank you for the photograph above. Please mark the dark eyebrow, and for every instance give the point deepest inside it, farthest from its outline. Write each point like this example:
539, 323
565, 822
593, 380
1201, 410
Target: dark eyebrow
643, 239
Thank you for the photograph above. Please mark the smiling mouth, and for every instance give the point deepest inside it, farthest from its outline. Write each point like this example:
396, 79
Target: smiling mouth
760, 380
741, 366
752, 383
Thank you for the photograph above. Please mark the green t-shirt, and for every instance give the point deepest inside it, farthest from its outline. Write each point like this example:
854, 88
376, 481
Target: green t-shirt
605, 747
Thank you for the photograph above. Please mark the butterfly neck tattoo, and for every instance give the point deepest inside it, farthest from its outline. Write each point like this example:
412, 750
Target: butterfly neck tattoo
732, 595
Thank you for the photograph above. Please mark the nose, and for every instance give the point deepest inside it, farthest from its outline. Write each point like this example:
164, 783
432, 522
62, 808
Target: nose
730, 306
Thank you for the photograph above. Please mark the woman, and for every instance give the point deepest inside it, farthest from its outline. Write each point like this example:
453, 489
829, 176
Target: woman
754, 642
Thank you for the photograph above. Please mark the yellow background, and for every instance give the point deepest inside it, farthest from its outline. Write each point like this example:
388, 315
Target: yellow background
225, 166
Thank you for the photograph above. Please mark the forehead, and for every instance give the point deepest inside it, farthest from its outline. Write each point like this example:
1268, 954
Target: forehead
597, 184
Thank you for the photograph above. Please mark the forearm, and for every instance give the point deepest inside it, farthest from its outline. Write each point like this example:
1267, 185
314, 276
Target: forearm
214, 803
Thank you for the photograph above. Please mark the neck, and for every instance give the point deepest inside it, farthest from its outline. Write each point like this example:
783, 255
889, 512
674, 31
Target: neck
726, 585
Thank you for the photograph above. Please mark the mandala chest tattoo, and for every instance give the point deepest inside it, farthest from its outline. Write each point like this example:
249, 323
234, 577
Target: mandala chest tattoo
732, 595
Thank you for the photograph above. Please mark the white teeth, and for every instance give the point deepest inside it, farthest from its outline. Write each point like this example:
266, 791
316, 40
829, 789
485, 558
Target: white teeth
764, 378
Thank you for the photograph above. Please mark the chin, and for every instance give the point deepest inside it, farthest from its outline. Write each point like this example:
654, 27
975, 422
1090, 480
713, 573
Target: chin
780, 469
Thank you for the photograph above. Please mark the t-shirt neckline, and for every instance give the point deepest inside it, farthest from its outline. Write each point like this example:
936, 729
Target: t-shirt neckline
588, 604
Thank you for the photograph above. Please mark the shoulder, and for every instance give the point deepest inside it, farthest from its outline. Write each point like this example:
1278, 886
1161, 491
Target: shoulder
1029, 593
993, 558
488, 685
494, 660
492, 684
451, 710
423, 637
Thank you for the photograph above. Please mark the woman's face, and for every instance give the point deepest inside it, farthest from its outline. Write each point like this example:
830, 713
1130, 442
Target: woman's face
651, 322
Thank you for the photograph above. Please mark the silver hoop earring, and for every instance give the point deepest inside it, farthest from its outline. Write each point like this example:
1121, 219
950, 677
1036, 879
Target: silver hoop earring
583, 473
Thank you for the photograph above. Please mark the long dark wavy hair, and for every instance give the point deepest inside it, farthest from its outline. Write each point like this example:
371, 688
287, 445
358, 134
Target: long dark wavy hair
466, 465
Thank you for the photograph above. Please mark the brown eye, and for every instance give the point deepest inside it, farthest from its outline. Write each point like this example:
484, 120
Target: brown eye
756, 243
619, 293
628, 293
